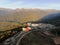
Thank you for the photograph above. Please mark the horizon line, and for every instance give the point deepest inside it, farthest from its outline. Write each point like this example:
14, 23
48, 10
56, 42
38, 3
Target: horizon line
31, 8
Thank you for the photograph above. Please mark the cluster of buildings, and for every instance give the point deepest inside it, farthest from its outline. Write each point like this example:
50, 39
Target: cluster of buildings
42, 25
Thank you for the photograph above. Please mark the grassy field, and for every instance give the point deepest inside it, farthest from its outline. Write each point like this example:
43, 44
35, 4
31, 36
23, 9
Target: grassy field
8, 25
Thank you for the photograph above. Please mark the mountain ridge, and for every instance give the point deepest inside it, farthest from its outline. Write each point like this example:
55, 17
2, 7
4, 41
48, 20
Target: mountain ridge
24, 15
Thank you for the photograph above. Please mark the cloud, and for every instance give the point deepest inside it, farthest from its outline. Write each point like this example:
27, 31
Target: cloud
10, 4
52, 6
3, 1
47, 4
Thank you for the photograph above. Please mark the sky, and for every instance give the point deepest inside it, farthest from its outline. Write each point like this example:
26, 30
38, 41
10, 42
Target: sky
43, 4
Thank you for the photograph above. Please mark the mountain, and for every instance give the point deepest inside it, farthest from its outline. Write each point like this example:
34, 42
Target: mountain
5, 11
11, 18
23, 15
51, 19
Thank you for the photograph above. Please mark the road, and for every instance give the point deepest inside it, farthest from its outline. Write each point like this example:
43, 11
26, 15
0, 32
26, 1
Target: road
15, 40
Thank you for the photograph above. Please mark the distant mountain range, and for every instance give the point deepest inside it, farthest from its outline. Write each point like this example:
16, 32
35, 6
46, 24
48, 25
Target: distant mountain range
11, 18
23, 15
5, 11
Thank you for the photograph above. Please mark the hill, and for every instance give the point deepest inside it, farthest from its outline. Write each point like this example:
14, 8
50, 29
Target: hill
10, 16
51, 19
25, 15
5, 11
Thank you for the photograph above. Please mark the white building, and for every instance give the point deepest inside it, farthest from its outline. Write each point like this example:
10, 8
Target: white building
33, 24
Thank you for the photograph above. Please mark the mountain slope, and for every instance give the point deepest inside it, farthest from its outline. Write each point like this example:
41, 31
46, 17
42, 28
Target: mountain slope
51, 19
